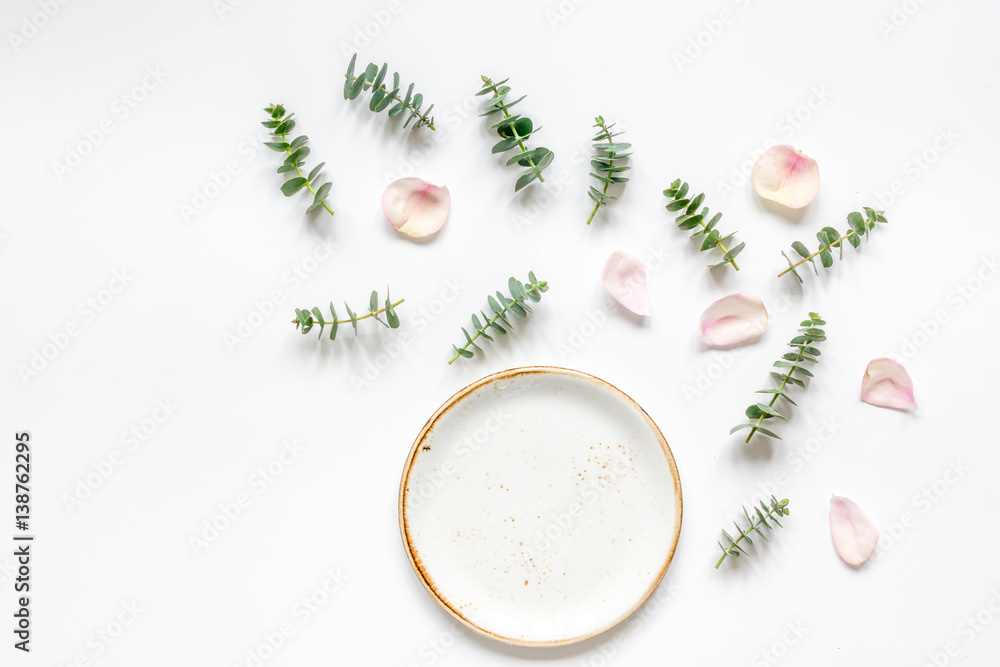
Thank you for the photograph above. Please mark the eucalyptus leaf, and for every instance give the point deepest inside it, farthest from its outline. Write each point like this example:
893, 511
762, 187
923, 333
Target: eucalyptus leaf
514, 131
502, 304
691, 218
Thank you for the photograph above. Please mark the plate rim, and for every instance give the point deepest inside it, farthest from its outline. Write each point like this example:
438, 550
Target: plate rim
418, 568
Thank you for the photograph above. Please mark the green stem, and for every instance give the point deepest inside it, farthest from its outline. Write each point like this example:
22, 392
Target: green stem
722, 248
809, 258
309, 186
798, 360
413, 111
743, 533
517, 137
611, 164
359, 318
490, 322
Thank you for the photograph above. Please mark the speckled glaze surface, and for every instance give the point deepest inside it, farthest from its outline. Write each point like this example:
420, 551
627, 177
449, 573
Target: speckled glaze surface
540, 506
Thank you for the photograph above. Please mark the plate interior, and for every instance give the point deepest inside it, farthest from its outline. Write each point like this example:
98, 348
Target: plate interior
540, 506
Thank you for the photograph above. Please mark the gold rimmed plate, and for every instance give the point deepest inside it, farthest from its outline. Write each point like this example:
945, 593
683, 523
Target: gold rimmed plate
540, 506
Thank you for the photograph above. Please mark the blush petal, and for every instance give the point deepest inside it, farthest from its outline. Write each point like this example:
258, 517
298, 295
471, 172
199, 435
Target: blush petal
624, 277
886, 384
786, 176
853, 532
415, 207
733, 320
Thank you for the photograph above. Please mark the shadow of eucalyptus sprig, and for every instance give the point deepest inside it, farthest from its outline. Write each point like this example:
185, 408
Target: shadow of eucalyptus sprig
763, 514
516, 305
603, 162
307, 319
383, 97
514, 130
790, 361
691, 218
296, 150
831, 238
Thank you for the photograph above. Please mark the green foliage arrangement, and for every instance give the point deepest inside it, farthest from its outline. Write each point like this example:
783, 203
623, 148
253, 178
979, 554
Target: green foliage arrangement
763, 514
514, 130
502, 306
281, 126
691, 218
831, 238
307, 319
605, 170
790, 363
384, 97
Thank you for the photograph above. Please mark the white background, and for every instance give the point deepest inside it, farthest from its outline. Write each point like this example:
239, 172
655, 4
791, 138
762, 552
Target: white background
880, 99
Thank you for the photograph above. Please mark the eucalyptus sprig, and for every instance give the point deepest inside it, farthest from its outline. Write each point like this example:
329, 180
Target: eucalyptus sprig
306, 319
516, 305
790, 362
691, 218
831, 238
384, 97
281, 126
514, 130
762, 515
603, 162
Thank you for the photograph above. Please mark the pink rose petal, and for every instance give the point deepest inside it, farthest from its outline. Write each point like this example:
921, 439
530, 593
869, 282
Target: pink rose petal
853, 532
733, 320
415, 207
624, 277
786, 176
886, 384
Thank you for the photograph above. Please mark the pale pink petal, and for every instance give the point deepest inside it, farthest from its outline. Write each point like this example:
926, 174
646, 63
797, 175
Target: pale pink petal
733, 320
886, 384
853, 532
415, 207
624, 277
786, 176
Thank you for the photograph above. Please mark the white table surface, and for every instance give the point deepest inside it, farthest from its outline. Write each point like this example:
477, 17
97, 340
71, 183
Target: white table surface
163, 98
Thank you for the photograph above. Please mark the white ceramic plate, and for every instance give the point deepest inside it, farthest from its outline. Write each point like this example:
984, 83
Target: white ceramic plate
540, 506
